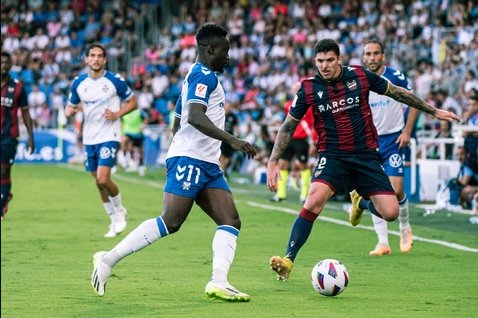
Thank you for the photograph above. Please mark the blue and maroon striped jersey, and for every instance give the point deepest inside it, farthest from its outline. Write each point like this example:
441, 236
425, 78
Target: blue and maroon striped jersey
13, 98
342, 114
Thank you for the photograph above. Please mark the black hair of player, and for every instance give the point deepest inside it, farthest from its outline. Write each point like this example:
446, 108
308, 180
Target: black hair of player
327, 45
94, 46
207, 34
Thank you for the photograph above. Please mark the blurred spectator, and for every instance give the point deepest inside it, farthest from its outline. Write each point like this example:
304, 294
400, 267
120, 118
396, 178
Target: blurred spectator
444, 132
36, 103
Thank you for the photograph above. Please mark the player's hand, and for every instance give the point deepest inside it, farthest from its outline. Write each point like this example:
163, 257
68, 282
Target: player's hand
403, 140
69, 111
273, 175
446, 115
243, 146
31, 145
109, 115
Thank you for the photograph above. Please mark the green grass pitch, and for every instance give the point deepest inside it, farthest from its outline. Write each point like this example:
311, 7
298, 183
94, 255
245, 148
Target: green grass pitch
56, 223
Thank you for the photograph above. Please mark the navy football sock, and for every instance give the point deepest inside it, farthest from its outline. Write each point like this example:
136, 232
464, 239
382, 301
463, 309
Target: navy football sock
5, 188
368, 204
300, 232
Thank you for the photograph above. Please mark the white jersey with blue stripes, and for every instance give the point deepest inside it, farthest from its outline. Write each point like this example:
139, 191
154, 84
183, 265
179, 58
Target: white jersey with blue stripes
200, 86
388, 113
97, 95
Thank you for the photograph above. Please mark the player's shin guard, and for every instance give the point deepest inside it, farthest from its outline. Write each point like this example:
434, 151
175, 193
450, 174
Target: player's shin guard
300, 232
305, 183
282, 184
223, 250
145, 234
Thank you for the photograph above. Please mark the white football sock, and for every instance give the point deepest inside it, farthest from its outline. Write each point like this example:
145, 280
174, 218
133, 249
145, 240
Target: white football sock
223, 251
145, 234
110, 210
381, 228
403, 215
116, 200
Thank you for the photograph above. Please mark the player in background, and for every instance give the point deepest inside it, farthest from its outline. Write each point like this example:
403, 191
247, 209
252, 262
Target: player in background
132, 126
394, 134
231, 126
193, 172
105, 97
347, 143
302, 139
14, 98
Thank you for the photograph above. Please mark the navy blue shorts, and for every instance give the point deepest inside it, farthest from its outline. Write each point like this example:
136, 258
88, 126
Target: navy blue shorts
187, 177
8, 150
362, 172
103, 154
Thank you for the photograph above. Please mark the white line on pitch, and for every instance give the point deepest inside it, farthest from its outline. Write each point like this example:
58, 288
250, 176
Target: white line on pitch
155, 184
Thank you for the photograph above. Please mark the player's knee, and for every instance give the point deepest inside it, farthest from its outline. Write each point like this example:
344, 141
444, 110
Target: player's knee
390, 213
102, 182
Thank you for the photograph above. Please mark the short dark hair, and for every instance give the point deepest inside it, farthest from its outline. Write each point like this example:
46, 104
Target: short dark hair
373, 41
93, 46
327, 45
7, 55
208, 32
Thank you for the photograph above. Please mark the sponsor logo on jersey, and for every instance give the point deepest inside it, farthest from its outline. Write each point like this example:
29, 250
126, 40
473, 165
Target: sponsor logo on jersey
105, 88
320, 93
395, 160
340, 105
201, 90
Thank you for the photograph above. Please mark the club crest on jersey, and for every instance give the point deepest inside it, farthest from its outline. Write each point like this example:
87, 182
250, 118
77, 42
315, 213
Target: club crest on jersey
11, 89
105, 88
352, 85
201, 90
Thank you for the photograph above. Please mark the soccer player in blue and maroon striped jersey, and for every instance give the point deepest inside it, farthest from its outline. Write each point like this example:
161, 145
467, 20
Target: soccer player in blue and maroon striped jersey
14, 98
347, 142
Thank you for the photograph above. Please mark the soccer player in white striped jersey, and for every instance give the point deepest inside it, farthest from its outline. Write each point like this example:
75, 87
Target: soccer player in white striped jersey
193, 172
394, 134
105, 97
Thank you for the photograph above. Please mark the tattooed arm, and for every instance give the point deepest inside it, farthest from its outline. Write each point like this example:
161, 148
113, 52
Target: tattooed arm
282, 140
404, 96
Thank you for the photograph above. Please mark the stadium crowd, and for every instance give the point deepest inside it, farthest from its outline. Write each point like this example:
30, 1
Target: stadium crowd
434, 42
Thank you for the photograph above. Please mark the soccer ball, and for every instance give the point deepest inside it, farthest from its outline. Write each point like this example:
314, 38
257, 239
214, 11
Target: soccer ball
329, 277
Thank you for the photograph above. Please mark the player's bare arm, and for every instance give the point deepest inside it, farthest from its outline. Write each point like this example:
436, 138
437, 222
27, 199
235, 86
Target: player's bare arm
176, 125
198, 119
282, 140
404, 138
412, 100
127, 107
29, 125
